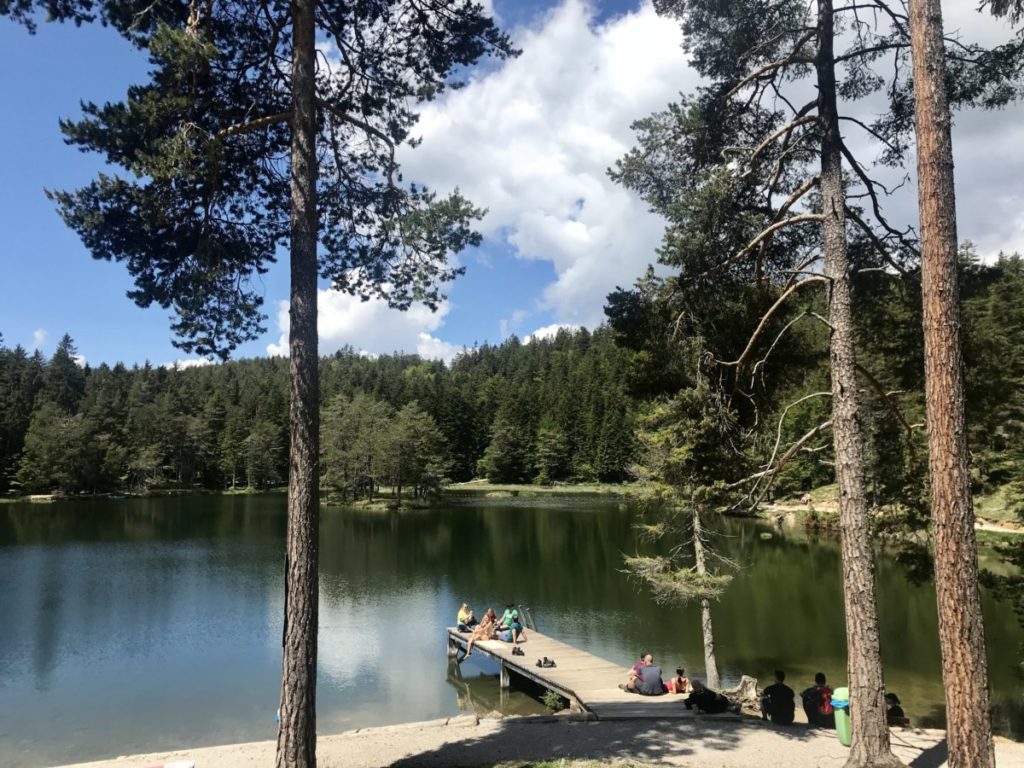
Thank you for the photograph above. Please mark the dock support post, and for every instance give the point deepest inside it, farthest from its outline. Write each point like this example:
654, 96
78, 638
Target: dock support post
453, 647
504, 675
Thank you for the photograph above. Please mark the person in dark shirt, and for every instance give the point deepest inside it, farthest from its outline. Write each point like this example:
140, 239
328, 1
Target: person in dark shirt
777, 701
706, 700
894, 714
817, 702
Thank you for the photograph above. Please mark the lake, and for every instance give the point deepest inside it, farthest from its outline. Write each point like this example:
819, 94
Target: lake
139, 625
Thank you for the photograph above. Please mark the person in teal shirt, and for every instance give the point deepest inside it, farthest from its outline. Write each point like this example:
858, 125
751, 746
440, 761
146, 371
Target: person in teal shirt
510, 621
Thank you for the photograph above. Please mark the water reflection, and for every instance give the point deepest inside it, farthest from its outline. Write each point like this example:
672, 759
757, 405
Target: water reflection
145, 624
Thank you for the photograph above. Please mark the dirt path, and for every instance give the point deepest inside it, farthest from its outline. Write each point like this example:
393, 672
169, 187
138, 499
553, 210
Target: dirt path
462, 741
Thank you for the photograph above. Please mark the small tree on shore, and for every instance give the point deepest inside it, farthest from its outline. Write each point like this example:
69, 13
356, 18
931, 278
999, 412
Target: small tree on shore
686, 445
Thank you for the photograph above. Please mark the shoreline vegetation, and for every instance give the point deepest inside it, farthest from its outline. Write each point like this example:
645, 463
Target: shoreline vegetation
818, 509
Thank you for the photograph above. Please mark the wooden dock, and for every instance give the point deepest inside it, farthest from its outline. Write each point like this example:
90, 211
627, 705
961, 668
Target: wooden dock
588, 682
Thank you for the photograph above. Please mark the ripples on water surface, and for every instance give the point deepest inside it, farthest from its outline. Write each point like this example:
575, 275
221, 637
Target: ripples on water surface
146, 624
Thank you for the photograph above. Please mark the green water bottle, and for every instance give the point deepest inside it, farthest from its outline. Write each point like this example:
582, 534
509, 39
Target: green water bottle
841, 709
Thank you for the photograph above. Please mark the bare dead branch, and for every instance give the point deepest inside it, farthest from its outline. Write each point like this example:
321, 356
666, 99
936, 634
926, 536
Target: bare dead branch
738, 362
799, 192
876, 241
787, 128
886, 397
870, 184
252, 125
868, 51
771, 474
764, 233
760, 363
822, 319
772, 67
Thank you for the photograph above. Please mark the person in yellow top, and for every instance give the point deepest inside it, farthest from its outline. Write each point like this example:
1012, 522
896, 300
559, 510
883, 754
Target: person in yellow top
465, 621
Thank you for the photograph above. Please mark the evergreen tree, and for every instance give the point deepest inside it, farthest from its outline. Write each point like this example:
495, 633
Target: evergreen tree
64, 379
20, 382
61, 453
416, 453
686, 448
505, 460
551, 455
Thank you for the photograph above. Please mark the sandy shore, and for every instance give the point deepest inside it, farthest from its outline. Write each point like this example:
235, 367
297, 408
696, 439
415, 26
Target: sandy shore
464, 741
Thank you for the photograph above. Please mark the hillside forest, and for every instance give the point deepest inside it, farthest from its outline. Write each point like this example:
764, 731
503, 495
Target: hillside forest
576, 407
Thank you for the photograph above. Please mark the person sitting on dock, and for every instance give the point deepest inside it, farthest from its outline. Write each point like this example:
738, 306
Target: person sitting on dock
817, 702
465, 621
706, 700
645, 679
634, 671
510, 622
777, 701
678, 684
485, 630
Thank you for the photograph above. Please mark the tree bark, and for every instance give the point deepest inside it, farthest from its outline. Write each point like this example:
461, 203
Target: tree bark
870, 745
296, 741
710, 663
961, 627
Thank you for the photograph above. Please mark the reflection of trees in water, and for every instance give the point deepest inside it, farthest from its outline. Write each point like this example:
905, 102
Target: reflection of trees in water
783, 610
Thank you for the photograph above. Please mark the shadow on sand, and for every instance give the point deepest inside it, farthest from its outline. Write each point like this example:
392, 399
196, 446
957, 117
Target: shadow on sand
528, 739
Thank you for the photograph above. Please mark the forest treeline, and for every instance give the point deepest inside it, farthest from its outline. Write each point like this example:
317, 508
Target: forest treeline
560, 409
550, 410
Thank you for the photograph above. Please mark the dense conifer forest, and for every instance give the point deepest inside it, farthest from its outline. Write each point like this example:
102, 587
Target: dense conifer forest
546, 411
570, 408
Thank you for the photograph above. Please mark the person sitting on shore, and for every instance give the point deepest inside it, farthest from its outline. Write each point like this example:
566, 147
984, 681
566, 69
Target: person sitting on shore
777, 702
706, 700
894, 714
817, 701
487, 629
645, 678
678, 684
465, 621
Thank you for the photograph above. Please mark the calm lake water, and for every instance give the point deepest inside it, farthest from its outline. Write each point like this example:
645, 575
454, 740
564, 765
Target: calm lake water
145, 624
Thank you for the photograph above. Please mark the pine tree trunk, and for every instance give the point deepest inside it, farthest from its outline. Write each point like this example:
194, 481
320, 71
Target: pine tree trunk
961, 628
867, 706
296, 741
710, 664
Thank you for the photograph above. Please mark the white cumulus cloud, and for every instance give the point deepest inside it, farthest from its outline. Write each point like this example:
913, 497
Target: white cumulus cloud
39, 338
188, 362
532, 141
550, 331
371, 327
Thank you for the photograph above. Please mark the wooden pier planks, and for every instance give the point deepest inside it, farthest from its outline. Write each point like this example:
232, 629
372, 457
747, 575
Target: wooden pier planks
589, 682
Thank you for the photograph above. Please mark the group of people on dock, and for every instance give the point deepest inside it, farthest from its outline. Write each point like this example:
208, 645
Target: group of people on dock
508, 629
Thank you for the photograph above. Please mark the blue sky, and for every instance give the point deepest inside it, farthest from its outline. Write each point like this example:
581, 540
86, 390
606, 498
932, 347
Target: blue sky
529, 139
